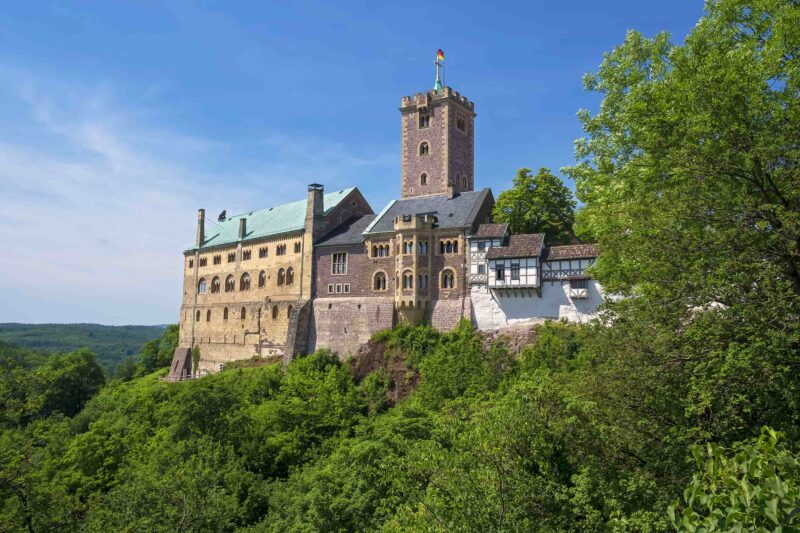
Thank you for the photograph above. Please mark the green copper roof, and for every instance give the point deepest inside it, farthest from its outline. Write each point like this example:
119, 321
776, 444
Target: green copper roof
265, 222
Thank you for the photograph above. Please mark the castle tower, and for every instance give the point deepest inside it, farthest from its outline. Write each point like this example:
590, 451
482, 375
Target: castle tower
437, 141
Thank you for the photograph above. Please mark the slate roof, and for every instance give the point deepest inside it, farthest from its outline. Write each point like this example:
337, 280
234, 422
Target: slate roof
457, 212
572, 251
351, 232
526, 245
491, 231
275, 220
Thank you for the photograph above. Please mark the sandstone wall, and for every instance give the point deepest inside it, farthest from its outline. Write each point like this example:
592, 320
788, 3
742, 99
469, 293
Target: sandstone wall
344, 324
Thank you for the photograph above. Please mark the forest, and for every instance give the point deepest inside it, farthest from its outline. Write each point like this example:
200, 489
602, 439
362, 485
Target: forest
677, 410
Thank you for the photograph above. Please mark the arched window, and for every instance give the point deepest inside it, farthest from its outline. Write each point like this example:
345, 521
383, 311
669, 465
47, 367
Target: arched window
424, 148
289, 276
375, 250
262, 279
463, 183
208, 315
455, 247
448, 279
197, 316
408, 247
423, 179
230, 284
422, 246
274, 311
386, 249
244, 313
201, 286
225, 314
408, 280
422, 281
281, 277
289, 312
448, 247
379, 282
244, 282
215, 285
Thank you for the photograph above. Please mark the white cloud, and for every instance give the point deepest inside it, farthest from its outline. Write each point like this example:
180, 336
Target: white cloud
96, 202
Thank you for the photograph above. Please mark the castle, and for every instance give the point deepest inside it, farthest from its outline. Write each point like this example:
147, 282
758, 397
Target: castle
328, 271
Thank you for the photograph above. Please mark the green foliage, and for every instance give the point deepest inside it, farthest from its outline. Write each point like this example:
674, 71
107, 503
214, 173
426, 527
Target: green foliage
195, 358
415, 342
755, 486
158, 353
111, 344
537, 204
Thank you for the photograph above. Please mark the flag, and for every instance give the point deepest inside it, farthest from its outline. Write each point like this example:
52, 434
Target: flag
439, 55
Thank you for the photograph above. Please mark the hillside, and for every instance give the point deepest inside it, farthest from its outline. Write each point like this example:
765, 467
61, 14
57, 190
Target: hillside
110, 344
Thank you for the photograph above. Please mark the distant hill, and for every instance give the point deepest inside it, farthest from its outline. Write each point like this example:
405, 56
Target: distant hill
110, 344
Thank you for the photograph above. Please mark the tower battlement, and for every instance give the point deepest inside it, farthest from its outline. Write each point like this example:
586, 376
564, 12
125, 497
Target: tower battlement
426, 98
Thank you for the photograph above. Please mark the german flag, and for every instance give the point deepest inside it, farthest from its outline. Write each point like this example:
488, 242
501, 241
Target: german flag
439, 55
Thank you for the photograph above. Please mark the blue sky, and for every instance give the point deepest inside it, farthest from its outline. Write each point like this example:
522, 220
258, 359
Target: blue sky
120, 119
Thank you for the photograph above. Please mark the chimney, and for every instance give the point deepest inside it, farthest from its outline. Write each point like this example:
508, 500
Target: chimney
242, 227
201, 227
451, 190
314, 206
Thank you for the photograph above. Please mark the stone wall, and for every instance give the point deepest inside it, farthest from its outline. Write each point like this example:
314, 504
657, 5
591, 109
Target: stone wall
344, 324
496, 309
445, 314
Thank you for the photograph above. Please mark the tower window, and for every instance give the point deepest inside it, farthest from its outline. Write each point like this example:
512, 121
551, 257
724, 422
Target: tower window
424, 120
203, 261
461, 122
215, 285
424, 148
191, 263
244, 282
423, 179
262, 279
463, 182
201, 286
208, 315
289, 276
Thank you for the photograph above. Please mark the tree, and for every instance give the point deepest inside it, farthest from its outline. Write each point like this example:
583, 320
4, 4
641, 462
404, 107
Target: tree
537, 204
67, 382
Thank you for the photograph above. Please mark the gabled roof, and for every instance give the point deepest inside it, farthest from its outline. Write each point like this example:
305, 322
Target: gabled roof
284, 218
351, 232
573, 251
526, 245
491, 231
457, 212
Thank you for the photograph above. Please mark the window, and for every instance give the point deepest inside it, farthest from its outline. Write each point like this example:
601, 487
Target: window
379, 281
461, 122
262, 252
423, 179
424, 120
191, 263
289, 311
203, 261
289, 276
262, 279
231, 257
217, 259
201, 286
408, 280
448, 247
208, 315
346, 288
197, 316
281, 277
481, 245
578, 288
424, 149
515, 271
215, 285
463, 183
230, 284
481, 269
339, 265
330, 288
455, 247
408, 247
280, 249
244, 313
338, 288
246, 255
500, 272
422, 246
448, 279
244, 282
297, 247
225, 314
274, 311
422, 281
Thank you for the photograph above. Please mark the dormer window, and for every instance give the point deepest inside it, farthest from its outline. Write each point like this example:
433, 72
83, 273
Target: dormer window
424, 148
424, 120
